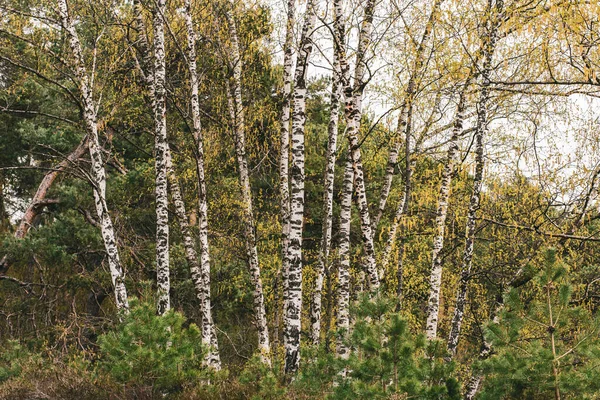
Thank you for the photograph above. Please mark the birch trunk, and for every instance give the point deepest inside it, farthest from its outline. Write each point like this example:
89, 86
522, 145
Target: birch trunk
405, 198
236, 110
284, 152
400, 211
329, 175
472, 386
201, 272
406, 112
343, 296
400, 276
160, 155
98, 172
403, 205
409, 168
343, 292
209, 337
481, 131
442, 208
293, 308
353, 113
389, 172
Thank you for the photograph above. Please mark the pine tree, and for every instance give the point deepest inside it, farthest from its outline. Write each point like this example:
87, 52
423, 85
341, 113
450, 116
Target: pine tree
151, 350
543, 342
387, 361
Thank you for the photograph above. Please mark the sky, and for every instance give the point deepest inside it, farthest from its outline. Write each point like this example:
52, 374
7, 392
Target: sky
557, 137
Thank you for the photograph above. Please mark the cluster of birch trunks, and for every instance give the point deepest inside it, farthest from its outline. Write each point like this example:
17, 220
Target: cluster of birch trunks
351, 75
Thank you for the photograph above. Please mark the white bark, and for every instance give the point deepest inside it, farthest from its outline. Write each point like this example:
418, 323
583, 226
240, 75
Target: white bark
329, 175
472, 387
293, 307
236, 110
343, 294
481, 133
389, 174
444, 192
400, 211
406, 112
98, 173
353, 113
284, 153
202, 290
160, 155
442, 206
200, 273
405, 201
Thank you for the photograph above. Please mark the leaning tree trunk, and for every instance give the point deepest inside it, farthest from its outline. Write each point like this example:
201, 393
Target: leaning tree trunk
343, 294
406, 112
236, 110
39, 200
481, 130
329, 175
446, 182
472, 386
200, 273
160, 155
353, 113
390, 169
284, 158
293, 307
98, 173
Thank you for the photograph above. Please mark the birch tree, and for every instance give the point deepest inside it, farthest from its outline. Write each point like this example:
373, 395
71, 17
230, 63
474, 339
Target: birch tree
481, 133
98, 172
400, 211
405, 116
444, 190
293, 307
328, 179
200, 273
199, 276
284, 150
160, 154
446, 181
353, 92
343, 292
236, 111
